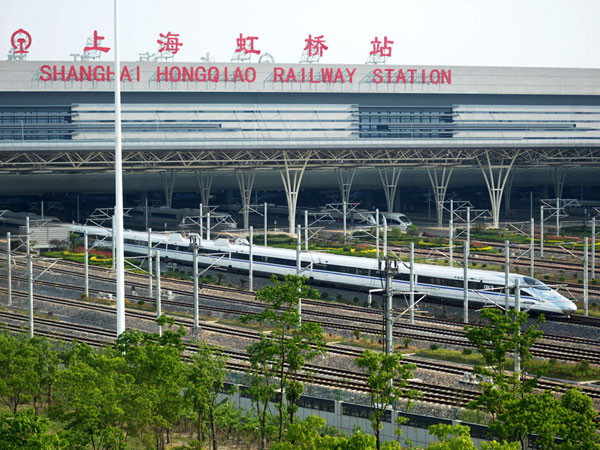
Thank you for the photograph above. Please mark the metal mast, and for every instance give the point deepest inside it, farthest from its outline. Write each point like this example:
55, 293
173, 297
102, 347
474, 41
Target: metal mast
118, 231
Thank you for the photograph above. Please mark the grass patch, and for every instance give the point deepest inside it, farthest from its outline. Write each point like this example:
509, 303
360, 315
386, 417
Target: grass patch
450, 355
580, 371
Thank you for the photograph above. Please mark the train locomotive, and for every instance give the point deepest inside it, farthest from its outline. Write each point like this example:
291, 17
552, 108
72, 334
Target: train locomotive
486, 288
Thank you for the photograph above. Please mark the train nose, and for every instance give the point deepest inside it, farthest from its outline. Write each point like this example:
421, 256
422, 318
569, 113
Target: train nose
568, 308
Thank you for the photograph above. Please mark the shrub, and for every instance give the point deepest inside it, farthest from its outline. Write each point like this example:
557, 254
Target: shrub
412, 230
434, 347
467, 351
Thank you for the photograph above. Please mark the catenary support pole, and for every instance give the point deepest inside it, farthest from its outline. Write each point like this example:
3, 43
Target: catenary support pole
518, 310
468, 227
466, 284
250, 257
344, 209
29, 277
118, 233
298, 266
195, 279
208, 225
384, 237
451, 235
506, 275
305, 230
412, 283
9, 267
593, 262
557, 216
201, 219
150, 281
266, 224
377, 234
86, 273
542, 231
146, 217
585, 276
532, 250
42, 209
158, 293
389, 325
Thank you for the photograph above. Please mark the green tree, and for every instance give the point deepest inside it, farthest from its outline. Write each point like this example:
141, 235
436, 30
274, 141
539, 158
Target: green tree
94, 397
458, 437
27, 431
46, 366
387, 379
18, 377
578, 429
206, 377
515, 408
507, 398
289, 346
155, 364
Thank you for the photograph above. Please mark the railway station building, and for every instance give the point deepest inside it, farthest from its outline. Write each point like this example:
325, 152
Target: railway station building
300, 129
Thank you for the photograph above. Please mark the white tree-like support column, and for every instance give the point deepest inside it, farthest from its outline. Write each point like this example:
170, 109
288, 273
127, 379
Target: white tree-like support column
559, 174
496, 184
245, 180
292, 178
345, 178
204, 180
389, 178
439, 182
168, 179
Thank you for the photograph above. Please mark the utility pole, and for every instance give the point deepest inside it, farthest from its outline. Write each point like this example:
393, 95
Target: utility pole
29, 277
158, 299
86, 279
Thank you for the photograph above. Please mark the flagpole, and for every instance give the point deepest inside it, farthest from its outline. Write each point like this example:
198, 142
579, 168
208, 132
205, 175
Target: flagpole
118, 231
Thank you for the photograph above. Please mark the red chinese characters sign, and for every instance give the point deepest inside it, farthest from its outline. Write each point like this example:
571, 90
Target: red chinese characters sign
96, 45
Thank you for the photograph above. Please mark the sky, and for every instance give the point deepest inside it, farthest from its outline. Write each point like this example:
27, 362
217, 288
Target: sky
520, 33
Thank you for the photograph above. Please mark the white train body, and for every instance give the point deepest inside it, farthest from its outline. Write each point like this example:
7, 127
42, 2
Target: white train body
485, 287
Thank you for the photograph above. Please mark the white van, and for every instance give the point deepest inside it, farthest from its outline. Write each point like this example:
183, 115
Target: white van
394, 220
397, 220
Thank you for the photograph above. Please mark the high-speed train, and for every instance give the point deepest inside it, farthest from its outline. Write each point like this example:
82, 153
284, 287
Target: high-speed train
485, 287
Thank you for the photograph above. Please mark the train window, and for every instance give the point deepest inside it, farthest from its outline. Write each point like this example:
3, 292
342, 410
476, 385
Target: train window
242, 256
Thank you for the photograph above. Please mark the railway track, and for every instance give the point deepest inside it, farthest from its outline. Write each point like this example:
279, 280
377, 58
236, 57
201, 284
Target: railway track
368, 325
238, 361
